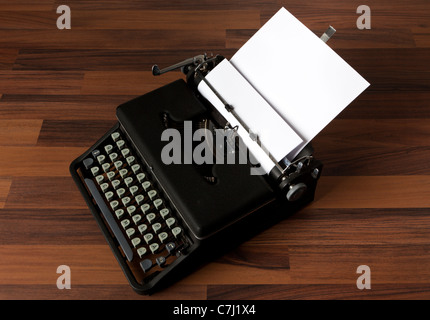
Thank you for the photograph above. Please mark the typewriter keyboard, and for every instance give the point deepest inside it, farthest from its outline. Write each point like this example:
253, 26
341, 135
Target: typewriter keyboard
149, 233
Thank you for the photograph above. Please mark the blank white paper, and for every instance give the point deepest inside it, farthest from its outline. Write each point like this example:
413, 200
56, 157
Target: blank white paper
274, 133
298, 74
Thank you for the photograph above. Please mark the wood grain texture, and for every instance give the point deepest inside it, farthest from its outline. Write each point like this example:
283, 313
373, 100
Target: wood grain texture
59, 90
4, 190
19, 132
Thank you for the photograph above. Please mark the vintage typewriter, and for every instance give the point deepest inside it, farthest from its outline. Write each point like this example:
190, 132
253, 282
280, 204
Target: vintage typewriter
163, 221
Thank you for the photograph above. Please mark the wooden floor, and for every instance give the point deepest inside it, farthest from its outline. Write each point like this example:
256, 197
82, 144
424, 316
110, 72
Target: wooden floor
58, 94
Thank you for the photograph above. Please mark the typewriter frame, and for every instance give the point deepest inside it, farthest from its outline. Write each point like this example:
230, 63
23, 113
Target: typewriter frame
304, 169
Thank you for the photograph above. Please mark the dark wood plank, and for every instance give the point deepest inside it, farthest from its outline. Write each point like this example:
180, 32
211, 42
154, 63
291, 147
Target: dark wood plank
389, 105
98, 292
73, 133
139, 19
49, 227
373, 192
319, 291
7, 58
26, 20
44, 192
124, 82
351, 226
19, 132
90, 59
363, 147
4, 190
27, 5
327, 264
112, 39
168, 5
61, 107
108, 59
269, 256
208, 20
40, 82
37, 161
422, 36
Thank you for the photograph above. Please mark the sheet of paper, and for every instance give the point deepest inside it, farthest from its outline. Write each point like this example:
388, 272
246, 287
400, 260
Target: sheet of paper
274, 133
298, 74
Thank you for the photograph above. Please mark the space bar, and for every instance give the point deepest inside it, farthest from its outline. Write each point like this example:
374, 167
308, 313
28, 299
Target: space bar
110, 219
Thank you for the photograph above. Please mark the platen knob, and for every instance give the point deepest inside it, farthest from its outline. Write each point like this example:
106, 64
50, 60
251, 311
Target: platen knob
296, 191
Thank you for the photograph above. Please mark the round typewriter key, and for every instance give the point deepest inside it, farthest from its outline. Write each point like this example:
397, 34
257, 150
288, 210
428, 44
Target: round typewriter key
141, 177
131, 210
158, 203
109, 195
108, 148
125, 223
128, 181
151, 217
123, 173
170, 247
152, 194
101, 159
125, 152
130, 232
136, 218
110, 175
115, 136
156, 227
139, 199
154, 247
95, 171
130, 160
148, 237
120, 144
161, 261
134, 189
104, 186
164, 213
135, 242
95, 153
126, 201
145, 207
141, 252
113, 156
146, 265
142, 228
118, 164
146, 185
176, 231
114, 204
163, 236
88, 163
135, 168
105, 166
120, 192
170, 222
100, 178
119, 213
115, 183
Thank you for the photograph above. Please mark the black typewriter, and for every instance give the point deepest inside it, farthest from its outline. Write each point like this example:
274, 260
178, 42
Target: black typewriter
163, 221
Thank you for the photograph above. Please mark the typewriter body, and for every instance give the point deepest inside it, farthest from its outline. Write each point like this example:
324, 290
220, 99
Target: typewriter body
162, 221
